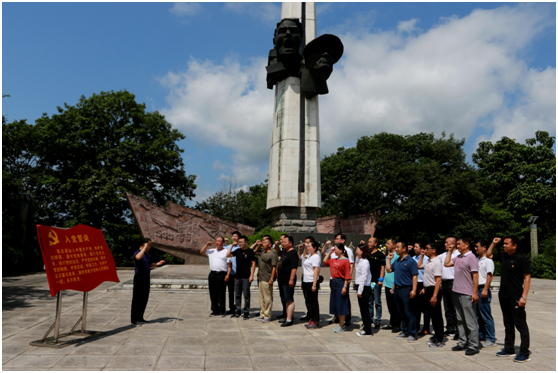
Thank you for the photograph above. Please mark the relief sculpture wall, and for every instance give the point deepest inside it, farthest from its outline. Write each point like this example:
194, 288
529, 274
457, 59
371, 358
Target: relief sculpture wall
181, 231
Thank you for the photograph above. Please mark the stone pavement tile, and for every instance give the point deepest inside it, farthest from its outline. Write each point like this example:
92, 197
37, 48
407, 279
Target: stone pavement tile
17, 340
549, 353
142, 340
224, 340
185, 340
224, 334
127, 362
49, 351
140, 350
325, 369
6, 358
267, 349
150, 332
33, 361
183, 350
318, 361
381, 347
444, 355
96, 361
14, 349
10, 330
281, 368
228, 362
273, 360
247, 333
407, 357
505, 364
98, 349
306, 349
58, 368
469, 366
345, 348
127, 369
226, 350
361, 361
180, 362
112, 339
24, 368
412, 367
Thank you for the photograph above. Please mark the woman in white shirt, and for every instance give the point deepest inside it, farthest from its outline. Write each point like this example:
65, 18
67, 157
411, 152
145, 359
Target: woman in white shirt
311, 262
363, 280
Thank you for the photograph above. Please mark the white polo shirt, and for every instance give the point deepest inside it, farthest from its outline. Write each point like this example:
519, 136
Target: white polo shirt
218, 260
447, 272
486, 266
308, 266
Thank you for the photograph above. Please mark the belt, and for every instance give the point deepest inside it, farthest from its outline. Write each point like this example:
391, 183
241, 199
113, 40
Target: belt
447, 280
218, 271
430, 287
402, 287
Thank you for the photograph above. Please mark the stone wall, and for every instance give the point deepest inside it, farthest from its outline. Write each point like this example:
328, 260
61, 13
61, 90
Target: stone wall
354, 224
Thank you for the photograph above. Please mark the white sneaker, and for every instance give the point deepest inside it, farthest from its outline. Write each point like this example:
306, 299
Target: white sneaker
362, 333
259, 319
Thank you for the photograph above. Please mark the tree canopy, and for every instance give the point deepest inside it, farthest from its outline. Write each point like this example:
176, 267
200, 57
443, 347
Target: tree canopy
79, 163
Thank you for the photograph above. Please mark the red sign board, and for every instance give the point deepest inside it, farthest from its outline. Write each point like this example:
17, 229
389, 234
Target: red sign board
77, 258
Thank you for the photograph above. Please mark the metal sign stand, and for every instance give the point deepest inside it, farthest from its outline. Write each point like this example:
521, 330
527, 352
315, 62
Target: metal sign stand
53, 342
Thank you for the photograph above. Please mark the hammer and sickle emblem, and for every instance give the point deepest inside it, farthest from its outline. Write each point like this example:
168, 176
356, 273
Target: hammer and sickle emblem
54, 237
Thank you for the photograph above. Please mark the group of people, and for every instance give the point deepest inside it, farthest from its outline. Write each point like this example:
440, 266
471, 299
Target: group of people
416, 279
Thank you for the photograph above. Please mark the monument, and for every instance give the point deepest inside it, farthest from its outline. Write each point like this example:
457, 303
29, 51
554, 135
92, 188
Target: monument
298, 67
179, 230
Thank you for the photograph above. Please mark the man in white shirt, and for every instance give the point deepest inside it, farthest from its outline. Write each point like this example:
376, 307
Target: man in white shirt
484, 312
341, 238
447, 289
219, 275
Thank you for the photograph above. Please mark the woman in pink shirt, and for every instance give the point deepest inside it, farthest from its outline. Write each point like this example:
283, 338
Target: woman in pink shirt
340, 269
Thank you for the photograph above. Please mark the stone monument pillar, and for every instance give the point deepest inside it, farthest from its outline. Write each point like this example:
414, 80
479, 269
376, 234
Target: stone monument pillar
294, 191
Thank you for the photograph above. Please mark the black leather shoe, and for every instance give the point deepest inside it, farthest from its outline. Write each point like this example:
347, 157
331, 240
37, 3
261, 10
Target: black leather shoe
230, 312
305, 318
396, 330
234, 315
471, 352
457, 348
287, 323
388, 327
456, 337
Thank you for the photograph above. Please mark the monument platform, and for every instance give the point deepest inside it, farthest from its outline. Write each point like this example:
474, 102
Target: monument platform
193, 279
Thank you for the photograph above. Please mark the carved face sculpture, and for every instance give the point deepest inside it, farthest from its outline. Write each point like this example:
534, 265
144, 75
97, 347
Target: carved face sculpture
287, 38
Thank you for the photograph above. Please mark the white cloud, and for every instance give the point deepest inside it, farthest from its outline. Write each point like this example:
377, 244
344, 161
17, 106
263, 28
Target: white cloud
266, 12
407, 26
185, 9
218, 165
454, 77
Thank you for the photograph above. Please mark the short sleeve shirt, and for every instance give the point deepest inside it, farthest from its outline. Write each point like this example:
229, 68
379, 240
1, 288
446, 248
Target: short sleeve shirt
267, 262
432, 269
486, 266
421, 271
233, 259
218, 260
308, 265
244, 260
404, 269
339, 268
448, 272
389, 277
288, 261
464, 265
142, 265
513, 268
377, 260
350, 254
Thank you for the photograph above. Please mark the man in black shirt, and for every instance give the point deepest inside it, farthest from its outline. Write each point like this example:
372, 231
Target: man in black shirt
377, 268
245, 267
514, 288
286, 276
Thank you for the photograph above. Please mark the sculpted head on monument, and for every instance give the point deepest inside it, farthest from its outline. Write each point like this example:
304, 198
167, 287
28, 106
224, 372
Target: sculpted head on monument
288, 37
319, 57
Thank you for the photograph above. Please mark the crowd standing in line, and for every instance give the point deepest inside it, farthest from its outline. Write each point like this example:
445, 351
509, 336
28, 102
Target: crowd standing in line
416, 280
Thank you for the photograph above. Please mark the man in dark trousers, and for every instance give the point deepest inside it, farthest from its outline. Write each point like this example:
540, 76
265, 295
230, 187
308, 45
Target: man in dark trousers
230, 284
514, 288
245, 267
142, 279
394, 316
219, 275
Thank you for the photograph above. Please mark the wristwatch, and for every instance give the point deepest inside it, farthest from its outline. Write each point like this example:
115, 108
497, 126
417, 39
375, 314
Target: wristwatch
523, 297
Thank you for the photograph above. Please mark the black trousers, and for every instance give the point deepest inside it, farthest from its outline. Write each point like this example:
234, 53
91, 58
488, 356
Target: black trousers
282, 296
394, 317
217, 291
230, 287
451, 316
140, 295
435, 312
365, 308
514, 317
311, 299
421, 306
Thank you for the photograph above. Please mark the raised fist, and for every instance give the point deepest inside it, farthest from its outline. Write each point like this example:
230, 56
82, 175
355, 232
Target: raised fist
390, 256
496, 240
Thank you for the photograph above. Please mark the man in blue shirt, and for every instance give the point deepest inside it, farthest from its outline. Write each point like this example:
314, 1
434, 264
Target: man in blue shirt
142, 279
405, 282
230, 284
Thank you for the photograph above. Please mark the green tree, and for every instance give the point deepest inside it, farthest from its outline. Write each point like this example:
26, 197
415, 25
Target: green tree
421, 185
520, 179
240, 205
89, 155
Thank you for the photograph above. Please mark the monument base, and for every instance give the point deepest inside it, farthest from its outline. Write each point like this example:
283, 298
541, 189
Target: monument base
294, 219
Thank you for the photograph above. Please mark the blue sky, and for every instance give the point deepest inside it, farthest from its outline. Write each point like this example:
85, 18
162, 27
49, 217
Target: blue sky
478, 70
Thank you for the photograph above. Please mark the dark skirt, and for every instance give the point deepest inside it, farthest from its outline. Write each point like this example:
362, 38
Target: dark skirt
338, 303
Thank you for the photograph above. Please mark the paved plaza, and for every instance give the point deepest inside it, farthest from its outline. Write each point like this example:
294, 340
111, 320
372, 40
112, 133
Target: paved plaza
183, 337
